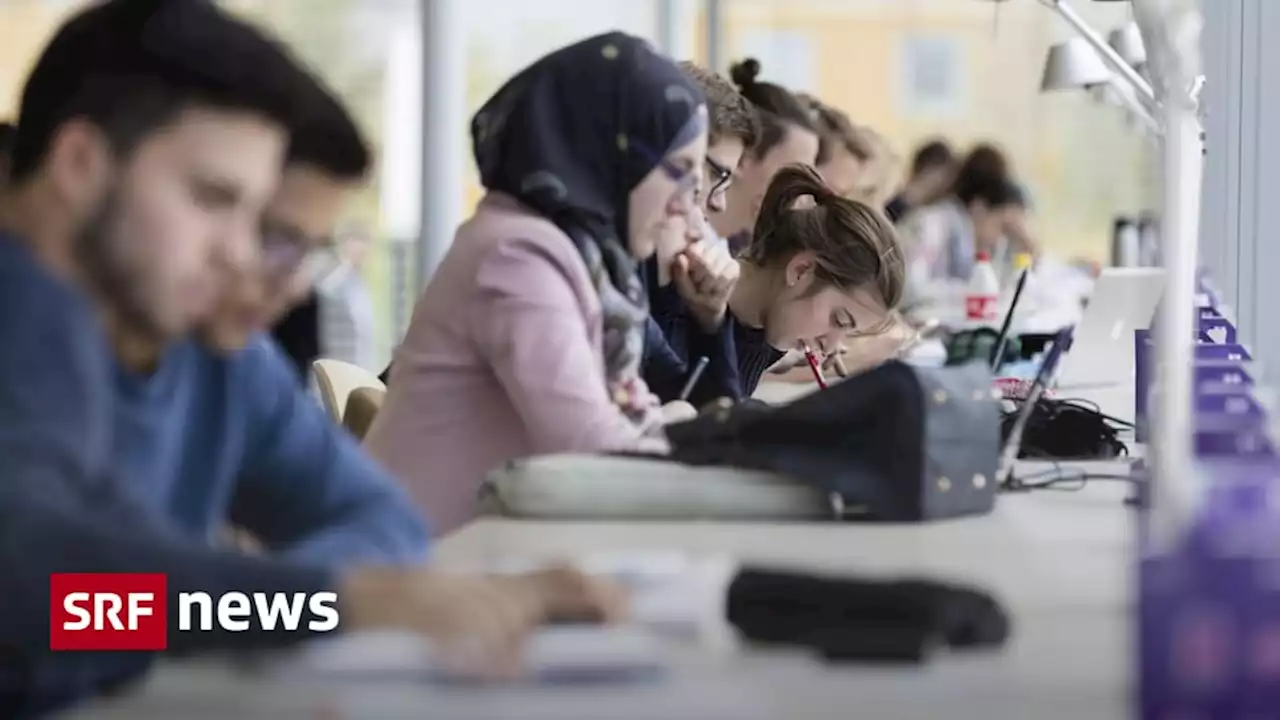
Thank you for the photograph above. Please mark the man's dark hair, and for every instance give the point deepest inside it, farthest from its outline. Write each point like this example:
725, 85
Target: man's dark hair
933, 154
130, 67
778, 107
7, 131
329, 139
983, 169
993, 192
732, 115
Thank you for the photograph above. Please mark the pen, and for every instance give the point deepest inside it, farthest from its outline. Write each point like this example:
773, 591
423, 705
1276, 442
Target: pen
813, 365
693, 377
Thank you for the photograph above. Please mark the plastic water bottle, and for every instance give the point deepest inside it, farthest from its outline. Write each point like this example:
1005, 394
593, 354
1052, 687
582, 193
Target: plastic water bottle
982, 298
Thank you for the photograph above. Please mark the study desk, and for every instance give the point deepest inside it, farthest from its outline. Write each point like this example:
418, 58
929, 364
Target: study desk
1060, 561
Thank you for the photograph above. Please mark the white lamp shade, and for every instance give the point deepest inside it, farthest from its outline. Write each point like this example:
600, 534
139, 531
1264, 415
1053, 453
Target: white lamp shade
1127, 42
1072, 65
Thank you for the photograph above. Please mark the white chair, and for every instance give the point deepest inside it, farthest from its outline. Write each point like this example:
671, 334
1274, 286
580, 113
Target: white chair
336, 379
362, 407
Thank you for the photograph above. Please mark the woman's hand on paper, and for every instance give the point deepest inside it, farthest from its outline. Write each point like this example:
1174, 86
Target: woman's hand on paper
478, 623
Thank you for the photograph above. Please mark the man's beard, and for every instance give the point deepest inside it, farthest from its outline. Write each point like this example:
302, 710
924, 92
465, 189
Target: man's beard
102, 260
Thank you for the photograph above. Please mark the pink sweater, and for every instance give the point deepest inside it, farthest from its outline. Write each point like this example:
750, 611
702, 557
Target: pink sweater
503, 359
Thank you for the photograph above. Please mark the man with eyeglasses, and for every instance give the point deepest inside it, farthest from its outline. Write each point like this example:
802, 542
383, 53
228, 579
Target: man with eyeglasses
215, 430
697, 286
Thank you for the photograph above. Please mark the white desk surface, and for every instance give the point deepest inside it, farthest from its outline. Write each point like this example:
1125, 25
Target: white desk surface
1060, 561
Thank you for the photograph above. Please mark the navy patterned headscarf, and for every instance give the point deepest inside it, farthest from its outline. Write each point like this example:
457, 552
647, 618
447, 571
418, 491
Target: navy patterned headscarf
570, 137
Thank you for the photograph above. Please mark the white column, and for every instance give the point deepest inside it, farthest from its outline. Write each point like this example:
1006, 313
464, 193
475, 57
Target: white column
676, 19
717, 51
400, 167
668, 30
400, 171
445, 149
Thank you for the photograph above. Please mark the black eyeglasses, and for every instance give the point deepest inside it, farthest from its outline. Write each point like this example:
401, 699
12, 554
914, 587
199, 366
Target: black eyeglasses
287, 251
720, 175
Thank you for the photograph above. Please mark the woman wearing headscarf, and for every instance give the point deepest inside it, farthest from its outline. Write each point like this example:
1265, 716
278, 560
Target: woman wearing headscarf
528, 337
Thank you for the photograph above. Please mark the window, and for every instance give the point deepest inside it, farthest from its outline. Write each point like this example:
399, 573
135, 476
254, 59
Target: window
933, 69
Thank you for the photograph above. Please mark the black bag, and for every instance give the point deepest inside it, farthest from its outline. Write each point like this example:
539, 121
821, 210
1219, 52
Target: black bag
896, 443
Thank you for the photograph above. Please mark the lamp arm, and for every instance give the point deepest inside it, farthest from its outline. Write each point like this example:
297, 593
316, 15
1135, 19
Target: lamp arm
1154, 127
1142, 89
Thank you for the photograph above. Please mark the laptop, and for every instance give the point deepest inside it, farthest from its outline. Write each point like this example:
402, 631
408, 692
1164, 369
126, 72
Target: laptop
1123, 300
1013, 443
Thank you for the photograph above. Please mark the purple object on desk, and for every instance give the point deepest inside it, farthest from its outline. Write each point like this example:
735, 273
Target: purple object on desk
1238, 403
1213, 328
1223, 382
1219, 436
1209, 608
1226, 351
1225, 372
1142, 352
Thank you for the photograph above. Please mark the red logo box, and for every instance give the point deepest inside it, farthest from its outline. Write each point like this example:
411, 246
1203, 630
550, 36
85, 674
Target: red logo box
108, 611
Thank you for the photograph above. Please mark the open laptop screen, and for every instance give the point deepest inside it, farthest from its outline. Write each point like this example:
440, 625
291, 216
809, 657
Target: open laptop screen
1013, 443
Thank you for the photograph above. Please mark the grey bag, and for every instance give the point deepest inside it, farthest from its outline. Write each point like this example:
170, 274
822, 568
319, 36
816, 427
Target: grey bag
897, 443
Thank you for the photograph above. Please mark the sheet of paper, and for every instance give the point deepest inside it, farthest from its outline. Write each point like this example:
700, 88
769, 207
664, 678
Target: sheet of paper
557, 655
671, 591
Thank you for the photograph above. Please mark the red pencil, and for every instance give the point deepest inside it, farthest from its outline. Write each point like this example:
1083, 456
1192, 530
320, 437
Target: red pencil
815, 367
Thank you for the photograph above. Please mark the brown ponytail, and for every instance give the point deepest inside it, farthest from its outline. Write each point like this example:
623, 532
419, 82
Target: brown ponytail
854, 243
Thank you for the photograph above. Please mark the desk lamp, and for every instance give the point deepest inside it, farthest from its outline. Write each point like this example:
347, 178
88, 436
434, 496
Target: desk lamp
1074, 65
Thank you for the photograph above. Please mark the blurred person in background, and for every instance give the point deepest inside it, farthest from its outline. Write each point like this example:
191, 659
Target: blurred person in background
984, 212
348, 324
933, 169
7, 131
944, 240
144, 156
986, 163
881, 175
844, 152
787, 137
214, 430
688, 303
529, 337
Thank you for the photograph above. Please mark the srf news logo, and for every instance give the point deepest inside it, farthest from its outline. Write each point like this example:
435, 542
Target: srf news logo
129, 611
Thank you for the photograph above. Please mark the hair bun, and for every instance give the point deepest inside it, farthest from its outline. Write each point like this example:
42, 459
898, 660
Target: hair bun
744, 73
